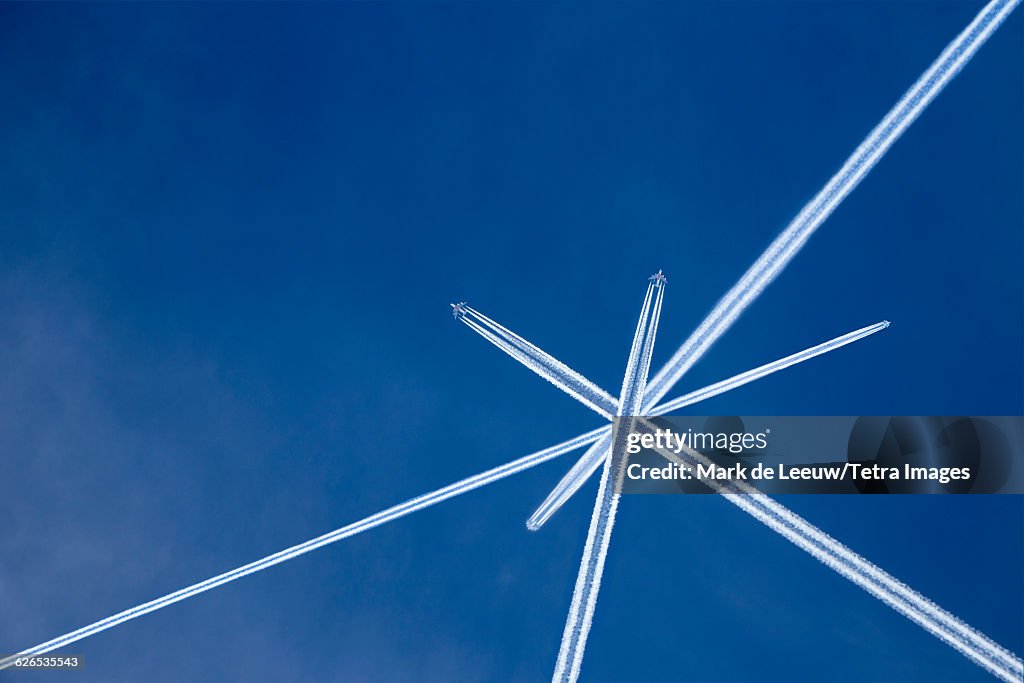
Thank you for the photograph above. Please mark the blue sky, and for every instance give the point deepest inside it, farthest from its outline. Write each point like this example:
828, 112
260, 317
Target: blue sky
228, 237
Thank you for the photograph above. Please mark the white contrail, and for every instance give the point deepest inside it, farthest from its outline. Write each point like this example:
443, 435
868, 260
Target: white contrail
370, 522
767, 369
362, 525
544, 364
863, 159
782, 250
588, 580
937, 621
562, 381
578, 475
919, 609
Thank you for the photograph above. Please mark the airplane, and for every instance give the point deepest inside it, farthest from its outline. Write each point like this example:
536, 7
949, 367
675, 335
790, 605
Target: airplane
658, 279
458, 310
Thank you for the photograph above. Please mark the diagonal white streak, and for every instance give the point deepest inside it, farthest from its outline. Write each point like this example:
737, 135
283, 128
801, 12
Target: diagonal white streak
972, 643
781, 251
542, 363
580, 472
595, 550
767, 369
382, 517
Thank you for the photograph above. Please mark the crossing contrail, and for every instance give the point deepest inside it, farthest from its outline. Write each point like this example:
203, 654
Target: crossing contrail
833, 554
544, 364
595, 455
805, 535
588, 580
953, 58
383, 517
782, 250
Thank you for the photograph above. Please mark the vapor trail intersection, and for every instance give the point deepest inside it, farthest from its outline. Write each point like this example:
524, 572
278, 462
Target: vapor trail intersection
968, 641
833, 554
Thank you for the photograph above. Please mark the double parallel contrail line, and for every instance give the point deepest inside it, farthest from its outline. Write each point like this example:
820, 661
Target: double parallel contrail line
973, 644
595, 550
544, 364
362, 525
782, 250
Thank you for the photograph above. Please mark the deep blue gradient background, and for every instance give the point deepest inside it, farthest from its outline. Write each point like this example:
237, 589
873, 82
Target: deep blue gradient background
228, 238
